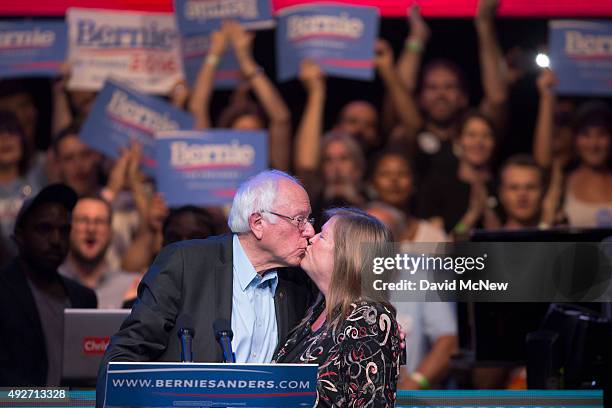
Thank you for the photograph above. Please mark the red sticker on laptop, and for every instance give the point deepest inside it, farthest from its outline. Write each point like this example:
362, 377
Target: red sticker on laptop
95, 345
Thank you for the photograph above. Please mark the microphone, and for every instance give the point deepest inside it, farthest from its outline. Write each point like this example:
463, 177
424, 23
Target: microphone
185, 333
224, 336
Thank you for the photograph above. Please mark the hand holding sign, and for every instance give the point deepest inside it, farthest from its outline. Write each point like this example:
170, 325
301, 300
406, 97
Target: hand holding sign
546, 82
218, 42
241, 40
312, 76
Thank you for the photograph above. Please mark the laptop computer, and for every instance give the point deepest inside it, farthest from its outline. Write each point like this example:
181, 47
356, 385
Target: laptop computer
86, 336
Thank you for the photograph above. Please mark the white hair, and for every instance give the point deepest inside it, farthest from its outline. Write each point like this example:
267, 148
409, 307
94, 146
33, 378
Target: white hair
254, 195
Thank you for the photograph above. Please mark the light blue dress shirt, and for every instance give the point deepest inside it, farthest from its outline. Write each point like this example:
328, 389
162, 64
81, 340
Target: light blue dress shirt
253, 313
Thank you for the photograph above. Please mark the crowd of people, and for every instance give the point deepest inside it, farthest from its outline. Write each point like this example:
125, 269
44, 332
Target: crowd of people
424, 164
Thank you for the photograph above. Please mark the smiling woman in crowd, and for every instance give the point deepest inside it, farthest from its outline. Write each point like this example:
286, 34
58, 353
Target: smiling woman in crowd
462, 201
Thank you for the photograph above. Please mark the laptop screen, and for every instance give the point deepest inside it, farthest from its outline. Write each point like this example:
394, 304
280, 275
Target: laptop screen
86, 336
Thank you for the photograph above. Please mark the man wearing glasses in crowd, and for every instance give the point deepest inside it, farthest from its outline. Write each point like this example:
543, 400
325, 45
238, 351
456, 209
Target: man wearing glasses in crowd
244, 277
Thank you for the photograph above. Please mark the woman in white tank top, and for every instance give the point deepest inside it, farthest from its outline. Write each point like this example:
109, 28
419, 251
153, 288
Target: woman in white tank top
588, 192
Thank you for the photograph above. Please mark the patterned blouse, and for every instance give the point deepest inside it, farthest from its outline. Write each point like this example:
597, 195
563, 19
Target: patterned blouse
359, 361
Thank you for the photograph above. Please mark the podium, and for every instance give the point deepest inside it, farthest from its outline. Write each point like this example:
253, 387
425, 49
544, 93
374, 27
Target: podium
210, 385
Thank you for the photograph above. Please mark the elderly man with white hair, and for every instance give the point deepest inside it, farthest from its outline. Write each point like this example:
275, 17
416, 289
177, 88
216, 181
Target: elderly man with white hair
241, 277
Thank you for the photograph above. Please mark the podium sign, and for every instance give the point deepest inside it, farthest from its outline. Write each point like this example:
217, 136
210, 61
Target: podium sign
210, 384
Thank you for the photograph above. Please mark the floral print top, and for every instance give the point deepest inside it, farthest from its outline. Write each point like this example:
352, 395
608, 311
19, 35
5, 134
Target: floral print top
359, 360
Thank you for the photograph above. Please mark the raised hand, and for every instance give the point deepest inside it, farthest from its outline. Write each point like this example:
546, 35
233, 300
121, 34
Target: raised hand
311, 76
486, 10
117, 175
218, 41
134, 176
546, 82
478, 199
157, 213
419, 30
241, 39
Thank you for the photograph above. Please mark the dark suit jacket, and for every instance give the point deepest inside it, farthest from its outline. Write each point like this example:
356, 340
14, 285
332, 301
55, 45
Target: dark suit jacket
193, 277
23, 355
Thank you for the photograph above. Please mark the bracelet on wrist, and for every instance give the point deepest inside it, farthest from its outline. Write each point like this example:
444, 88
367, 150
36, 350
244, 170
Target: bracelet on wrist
413, 45
420, 379
212, 59
460, 228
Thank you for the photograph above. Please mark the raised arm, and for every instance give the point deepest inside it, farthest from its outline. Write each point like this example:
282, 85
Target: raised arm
492, 63
543, 138
199, 104
550, 215
408, 67
151, 214
308, 139
403, 103
266, 93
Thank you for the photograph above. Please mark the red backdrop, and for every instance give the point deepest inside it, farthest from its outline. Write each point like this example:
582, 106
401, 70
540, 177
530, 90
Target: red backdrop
437, 8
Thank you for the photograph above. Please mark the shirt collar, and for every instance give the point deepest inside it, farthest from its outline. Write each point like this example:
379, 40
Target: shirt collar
245, 273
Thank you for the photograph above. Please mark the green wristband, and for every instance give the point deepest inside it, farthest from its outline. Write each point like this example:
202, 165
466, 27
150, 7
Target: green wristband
413, 45
460, 228
420, 379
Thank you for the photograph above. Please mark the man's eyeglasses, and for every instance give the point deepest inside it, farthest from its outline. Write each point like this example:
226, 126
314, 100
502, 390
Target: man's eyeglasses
301, 221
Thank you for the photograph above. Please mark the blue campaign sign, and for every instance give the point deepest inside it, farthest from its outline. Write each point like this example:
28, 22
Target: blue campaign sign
581, 56
202, 16
339, 38
195, 49
206, 167
121, 114
32, 48
219, 385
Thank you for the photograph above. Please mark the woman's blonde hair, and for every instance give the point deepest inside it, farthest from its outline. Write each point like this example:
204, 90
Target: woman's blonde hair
359, 238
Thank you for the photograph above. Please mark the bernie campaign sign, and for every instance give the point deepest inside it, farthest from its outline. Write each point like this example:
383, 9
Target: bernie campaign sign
339, 38
31, 48
206, 167
202, 16
581, 56
121, 114
139, 47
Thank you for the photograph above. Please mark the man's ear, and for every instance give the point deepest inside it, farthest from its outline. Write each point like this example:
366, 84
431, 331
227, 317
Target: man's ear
256, 225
